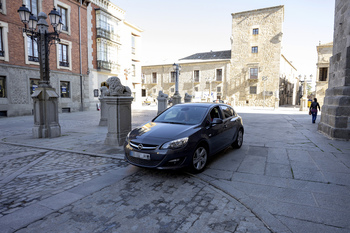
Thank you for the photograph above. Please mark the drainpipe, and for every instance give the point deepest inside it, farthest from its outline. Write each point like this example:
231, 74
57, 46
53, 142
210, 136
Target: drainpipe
81, 71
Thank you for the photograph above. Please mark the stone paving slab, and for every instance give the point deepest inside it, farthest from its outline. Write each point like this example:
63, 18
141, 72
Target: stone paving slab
153, 201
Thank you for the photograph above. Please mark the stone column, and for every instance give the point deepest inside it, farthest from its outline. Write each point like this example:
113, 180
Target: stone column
103, 112
103, 107
119, 119
46, 123
162, 102
335, 115
303, 100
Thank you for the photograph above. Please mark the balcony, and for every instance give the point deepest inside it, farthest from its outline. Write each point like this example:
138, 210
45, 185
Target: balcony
105, 65
102, 33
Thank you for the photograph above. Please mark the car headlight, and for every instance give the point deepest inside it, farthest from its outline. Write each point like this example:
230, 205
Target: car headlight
175, 144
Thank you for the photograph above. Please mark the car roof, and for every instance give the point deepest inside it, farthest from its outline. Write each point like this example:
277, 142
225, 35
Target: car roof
201, 104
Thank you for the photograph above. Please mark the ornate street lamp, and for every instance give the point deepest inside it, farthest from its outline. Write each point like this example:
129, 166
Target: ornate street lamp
45, 98
176, 97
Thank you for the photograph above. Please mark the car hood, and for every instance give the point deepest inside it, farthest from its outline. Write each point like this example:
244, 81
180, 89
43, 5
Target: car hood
152, 132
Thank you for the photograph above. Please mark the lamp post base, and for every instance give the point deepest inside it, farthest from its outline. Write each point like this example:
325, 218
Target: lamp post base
176, 99
45, 113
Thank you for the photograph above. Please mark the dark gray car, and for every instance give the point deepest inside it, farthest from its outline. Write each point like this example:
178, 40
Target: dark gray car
184, 135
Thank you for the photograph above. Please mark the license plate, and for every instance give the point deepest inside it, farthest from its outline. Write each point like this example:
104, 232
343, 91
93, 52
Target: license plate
140, 155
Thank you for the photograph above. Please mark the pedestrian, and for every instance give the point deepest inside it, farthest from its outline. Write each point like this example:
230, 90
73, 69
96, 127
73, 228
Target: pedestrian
313, 110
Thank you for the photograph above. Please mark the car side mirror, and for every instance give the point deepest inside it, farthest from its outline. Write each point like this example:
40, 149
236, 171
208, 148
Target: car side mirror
216, 121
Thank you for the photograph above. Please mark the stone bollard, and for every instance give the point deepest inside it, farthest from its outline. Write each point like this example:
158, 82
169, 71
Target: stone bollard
162, 102
187, 98
103, 107
118, 103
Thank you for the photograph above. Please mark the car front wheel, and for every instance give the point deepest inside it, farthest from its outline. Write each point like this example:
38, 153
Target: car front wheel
199, 159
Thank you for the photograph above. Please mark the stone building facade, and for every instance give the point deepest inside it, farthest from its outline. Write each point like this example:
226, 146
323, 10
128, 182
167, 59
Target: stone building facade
19, 66
324, 53
114, 49
202, 75
251, 70
335, 115
256, 56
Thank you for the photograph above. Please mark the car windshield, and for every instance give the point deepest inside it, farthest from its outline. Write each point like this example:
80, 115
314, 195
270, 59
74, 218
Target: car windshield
182, 115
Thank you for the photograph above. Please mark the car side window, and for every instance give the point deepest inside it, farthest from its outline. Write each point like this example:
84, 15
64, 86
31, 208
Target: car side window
228, 112
214, 113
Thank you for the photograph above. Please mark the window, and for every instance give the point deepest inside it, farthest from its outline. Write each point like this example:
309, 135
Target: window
133, 66
218, 89
154, 77
219, 75
133, 44
107, 55
2, 87
195, 88
65, 89
4, 48
196, 75
154, 90
253, 73
252, 90
63, 55
173, 76
172, 89
255, 49
3, 6
228, 112
32, 5
323, 74
143, 92
1, 44
255, 31
34, 83
33, 54
106, 26
64, 18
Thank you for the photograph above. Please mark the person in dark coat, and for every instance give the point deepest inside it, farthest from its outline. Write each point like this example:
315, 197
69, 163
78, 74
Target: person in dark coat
313, 109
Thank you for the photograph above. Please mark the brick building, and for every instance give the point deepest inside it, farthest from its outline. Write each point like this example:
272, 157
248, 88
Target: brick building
19, 63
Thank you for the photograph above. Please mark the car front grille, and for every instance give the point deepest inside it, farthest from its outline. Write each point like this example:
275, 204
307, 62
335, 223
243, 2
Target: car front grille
144, 146
143, 162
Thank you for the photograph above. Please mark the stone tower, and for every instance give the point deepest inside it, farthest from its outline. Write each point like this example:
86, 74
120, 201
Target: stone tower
256, 56
335, 117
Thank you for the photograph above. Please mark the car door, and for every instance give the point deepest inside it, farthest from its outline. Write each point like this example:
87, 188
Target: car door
230, 124
215, 131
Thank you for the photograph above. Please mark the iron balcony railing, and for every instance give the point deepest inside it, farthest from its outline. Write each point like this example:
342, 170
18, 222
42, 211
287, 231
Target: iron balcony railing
105, 65
102, 33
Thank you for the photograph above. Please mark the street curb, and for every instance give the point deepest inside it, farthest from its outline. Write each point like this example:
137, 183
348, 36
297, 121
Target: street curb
115, 156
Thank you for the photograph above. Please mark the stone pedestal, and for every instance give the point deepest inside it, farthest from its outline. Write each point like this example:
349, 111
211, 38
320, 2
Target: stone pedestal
335, 115
119, 119
176, 98
103, 112
162, 102
187, 98
303, 104
46, 123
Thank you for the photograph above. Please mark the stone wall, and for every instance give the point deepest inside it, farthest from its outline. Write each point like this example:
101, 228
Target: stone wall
335, 117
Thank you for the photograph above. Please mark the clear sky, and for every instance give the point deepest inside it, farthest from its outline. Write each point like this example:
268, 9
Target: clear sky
176, 29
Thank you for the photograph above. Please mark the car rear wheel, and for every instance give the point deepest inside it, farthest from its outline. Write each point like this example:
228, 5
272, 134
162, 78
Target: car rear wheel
239, 140
199, 159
